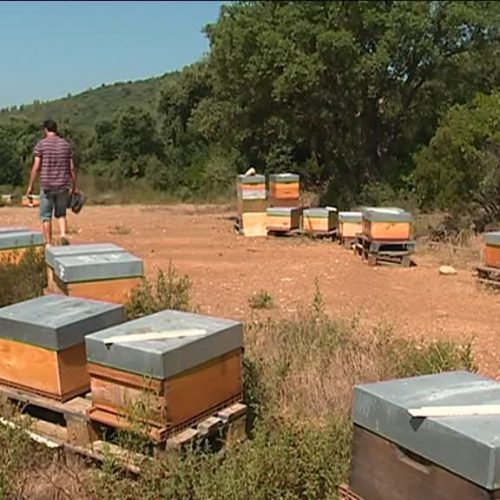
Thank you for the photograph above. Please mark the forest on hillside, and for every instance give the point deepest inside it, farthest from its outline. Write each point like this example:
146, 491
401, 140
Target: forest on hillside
369, 101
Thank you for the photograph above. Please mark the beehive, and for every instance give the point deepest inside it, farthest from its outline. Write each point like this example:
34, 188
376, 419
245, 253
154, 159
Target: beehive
252, 196
319, 220
106, 276
7, 199
350, 224
52, 253
254, 224
387, 224
492, 249
179, 379
283, 218
284, 190
31, 201
396, 456
42, 343
14, 242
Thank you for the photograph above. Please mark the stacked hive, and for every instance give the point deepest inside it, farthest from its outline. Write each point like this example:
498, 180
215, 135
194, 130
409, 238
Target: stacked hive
319, 220
15, 241
42, 343
7, 199
397, 456
284, 190
350, 224
179, 366
252, 204
284, 212
106, 275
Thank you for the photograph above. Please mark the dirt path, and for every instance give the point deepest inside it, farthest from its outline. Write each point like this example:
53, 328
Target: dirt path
226, 269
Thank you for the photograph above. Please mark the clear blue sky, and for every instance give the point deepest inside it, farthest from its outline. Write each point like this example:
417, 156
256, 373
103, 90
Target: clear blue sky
48, 49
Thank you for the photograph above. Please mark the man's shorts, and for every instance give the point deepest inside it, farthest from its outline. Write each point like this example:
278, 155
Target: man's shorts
53, 202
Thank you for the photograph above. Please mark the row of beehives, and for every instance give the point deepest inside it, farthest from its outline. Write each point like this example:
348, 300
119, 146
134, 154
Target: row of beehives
26, 201
433, 437
60, 345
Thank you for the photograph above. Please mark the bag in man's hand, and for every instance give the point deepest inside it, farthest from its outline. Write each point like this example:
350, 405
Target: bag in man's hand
76, 202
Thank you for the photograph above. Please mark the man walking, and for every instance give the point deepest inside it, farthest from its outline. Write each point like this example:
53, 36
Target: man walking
53, 159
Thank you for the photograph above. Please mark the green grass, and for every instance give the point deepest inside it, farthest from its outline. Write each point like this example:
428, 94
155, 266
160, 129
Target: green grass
261, 300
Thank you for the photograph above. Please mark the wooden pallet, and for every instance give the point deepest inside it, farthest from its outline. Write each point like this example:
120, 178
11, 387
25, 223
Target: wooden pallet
320, 234
345, 493
67, 426
347, 242
488, 276
285, 232
386, 251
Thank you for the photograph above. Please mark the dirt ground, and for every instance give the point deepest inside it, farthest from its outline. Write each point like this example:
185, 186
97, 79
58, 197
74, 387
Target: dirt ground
226, 269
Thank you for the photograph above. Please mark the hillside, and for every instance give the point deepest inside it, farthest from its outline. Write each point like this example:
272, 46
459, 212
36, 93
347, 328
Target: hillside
83, 110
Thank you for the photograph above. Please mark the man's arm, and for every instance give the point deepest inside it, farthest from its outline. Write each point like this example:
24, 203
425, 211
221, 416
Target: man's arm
72, 170
34, 172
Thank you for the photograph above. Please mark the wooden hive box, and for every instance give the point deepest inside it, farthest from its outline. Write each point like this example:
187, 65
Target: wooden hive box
283, 218
104, 276
252, 195
284, 186
254, 224
387, 224
492, 249
178, 379
30, 201
54, 252
7, 199
396, 456
42, 345
14, 242
350, 224
319, 220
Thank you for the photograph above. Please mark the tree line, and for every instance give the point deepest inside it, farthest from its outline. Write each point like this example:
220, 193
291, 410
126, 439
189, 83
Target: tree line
368, 101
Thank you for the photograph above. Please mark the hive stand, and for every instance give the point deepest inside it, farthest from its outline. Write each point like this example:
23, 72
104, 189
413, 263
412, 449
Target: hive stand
390, 251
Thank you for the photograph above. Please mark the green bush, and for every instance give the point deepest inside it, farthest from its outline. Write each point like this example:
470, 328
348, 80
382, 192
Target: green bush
261, 300
22, 280
169, 291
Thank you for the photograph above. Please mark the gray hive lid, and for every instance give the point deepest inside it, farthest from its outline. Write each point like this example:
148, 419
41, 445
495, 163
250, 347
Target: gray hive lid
251, 179
20, 239
281, 211
318, 212
492, 239
161, 359
284, 178
382, 214
467, 446
97, 267
53, 253
350, 216
57, 322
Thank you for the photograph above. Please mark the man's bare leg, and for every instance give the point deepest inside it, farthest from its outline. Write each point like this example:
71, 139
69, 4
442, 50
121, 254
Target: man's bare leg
47, 231
63, 226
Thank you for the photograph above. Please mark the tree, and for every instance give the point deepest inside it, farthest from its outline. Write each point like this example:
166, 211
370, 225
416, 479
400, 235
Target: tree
356, 86
460, 169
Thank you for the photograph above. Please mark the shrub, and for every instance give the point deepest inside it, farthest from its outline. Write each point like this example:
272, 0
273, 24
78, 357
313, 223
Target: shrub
169, 291
22, 279
261, 300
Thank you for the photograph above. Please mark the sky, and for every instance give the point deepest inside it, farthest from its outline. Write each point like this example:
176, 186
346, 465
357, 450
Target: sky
50, 49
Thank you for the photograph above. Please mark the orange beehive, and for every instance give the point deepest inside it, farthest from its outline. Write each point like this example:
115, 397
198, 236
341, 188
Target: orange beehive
284, 186
254, 223
42, 343
387, 224
14, 242
30, 201
319, 220
191, 369
283, 219
350, 224
492, 249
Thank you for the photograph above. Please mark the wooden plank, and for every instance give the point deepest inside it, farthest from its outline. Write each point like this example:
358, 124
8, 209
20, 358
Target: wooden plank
131, 379
209, 426
35, 436
232, 412
165, 335
182, 439
455, 411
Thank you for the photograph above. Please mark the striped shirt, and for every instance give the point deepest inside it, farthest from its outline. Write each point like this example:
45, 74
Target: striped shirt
55, 153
